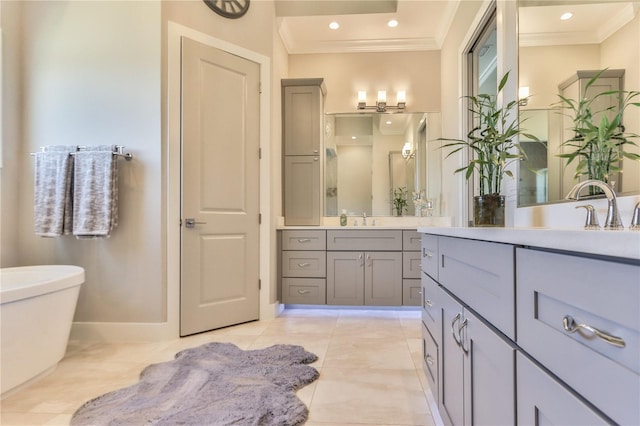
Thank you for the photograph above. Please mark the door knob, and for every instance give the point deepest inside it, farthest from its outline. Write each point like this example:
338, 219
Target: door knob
191, 223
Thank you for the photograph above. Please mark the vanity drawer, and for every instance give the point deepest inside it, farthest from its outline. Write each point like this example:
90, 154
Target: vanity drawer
304, 240
304, 264
411, 267
481, 274
431, 306
430, 255
430, 355
411, 292
309, 291
364, 240
411, 240
599, 293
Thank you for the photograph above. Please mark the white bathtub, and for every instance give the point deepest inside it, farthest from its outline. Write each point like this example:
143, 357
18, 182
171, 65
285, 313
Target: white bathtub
37, 304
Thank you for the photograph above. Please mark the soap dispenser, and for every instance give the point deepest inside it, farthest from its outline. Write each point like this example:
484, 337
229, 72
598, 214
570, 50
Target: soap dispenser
343, 218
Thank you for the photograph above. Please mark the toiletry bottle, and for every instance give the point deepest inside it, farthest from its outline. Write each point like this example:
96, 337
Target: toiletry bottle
343, 218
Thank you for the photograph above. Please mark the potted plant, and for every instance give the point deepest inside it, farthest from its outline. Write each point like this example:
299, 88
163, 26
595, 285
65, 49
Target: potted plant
400, 200
494, 146
598, 135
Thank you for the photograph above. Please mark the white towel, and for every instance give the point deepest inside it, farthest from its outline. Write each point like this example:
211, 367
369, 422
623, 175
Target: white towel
53, 175
95, 193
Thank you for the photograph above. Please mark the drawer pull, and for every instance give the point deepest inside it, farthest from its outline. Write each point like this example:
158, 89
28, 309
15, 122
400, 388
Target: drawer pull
463, 324
429, 360
304, 291
303, 265
570, 326
428, 303
304, 240
426, 253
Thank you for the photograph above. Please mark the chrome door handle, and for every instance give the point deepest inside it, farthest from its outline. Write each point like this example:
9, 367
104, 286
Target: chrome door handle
463, 324
570, 326
453, 330
191, 223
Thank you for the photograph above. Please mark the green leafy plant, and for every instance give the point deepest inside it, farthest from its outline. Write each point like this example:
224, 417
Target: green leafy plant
492, 140
400, 200
598, 145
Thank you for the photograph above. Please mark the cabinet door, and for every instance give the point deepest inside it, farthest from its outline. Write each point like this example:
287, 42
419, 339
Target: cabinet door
452, 358
542, 400
302, 190
345, 278
383, 279
302, 120
489, 375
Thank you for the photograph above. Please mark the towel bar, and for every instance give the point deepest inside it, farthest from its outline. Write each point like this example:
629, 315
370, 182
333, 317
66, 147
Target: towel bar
119, 151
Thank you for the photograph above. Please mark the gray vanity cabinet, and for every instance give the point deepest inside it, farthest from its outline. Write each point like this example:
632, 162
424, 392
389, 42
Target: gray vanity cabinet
303, 267
302, 130
364, 267
411, 268
478, 372
364, 278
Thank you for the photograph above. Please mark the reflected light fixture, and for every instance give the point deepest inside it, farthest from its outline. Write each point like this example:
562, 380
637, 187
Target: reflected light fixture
407, 152
523, 95
381, 103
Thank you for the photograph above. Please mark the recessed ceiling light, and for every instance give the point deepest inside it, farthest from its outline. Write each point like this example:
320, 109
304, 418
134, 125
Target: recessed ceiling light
388, 122
354, 137
334, 25
392, 23
566, 16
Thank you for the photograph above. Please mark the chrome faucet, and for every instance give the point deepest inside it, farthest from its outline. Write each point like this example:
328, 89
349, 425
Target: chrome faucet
364, 218
613, 215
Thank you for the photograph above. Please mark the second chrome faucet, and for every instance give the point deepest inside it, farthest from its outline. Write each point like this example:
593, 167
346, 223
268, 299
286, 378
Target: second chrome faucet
612, 221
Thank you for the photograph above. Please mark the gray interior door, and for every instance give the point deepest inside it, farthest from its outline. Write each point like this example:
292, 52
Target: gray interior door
220, 189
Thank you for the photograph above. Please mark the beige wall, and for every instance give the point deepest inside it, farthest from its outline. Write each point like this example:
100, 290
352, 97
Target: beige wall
346, 73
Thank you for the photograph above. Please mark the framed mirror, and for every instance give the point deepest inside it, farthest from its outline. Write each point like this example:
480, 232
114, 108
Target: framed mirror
553, 54
368, 155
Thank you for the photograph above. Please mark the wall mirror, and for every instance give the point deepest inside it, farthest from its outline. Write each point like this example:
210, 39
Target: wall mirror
368, 155
553, 53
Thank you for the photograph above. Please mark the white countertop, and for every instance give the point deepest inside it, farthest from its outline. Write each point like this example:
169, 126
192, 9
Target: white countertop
624, 244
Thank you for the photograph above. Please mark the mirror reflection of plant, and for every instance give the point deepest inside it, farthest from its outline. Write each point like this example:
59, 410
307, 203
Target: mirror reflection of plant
400, 200
493, 140
598, 147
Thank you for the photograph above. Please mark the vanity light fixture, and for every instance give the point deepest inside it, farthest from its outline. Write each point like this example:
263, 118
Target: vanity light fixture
381, 103
523, 95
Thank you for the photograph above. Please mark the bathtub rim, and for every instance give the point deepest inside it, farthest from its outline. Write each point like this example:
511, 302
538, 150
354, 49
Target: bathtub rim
44, 279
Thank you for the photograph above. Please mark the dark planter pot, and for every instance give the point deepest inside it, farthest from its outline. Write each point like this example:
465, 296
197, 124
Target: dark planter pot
488, 210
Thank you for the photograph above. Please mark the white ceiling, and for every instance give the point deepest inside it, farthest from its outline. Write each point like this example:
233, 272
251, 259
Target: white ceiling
423, 24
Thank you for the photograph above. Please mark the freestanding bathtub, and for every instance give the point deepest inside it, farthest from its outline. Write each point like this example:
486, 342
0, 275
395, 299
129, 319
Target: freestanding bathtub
37, 304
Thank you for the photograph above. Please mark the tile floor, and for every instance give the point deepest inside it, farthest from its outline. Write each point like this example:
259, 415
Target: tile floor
369, 363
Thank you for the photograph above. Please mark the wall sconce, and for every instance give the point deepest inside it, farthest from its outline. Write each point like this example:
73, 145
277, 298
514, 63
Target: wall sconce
407, 152
523, 95
381, 103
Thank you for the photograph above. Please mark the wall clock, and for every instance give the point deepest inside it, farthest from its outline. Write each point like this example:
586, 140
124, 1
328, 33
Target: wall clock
232, 9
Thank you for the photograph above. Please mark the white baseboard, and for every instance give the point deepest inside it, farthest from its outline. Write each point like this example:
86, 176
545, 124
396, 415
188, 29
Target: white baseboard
119, 331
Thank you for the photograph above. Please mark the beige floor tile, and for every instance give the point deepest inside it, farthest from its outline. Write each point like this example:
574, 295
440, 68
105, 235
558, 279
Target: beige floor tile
31, 419
302, 325
374, 396
351, 352
317, 345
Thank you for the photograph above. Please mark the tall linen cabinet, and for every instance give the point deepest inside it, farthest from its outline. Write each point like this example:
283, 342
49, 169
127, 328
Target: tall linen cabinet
303, 141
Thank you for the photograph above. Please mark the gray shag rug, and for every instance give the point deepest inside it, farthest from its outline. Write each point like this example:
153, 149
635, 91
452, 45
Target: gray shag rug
213, 384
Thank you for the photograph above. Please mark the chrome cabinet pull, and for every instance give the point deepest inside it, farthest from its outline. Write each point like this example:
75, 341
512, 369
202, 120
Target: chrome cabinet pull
304, 291
429, 360
304, 240
571, 326
369, 260
453, 329
463, 324
426, 253
303, 265
428, 303
361, 260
